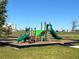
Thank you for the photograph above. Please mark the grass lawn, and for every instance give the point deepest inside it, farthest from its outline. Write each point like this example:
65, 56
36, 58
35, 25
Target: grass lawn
45, 52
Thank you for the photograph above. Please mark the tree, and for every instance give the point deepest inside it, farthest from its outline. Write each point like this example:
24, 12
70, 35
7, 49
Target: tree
74, 25
8, 31
3, 15
3, 12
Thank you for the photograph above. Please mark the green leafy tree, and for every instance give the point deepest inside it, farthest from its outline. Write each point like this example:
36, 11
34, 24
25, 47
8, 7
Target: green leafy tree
3, 13
8, 31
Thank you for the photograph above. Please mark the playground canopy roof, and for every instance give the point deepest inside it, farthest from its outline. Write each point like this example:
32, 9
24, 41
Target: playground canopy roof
38, 32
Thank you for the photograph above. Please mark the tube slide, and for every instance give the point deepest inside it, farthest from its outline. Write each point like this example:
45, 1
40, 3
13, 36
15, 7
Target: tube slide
54, 34
23, 38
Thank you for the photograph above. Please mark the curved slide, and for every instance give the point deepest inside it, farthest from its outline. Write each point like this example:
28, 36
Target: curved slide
23, 38
54, 34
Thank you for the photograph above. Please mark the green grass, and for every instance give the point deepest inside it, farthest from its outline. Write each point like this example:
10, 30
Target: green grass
77, 44
48, 52
75, 37
70, 33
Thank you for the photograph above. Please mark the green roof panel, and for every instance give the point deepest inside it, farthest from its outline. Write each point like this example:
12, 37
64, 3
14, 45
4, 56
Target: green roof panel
38, 32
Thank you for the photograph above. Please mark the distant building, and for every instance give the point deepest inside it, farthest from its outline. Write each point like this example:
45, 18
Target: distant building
13, 26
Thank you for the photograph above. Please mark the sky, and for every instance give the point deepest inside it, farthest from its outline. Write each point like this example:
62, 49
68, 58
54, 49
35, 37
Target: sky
60, 13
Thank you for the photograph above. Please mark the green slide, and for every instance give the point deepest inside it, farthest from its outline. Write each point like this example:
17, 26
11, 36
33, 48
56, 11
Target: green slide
54, 34
23, 38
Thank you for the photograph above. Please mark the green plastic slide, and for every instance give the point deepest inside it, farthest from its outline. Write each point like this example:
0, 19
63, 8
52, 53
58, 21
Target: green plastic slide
54, 34
23, 38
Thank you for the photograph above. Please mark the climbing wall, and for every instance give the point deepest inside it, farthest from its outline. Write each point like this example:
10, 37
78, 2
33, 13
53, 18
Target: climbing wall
49, 36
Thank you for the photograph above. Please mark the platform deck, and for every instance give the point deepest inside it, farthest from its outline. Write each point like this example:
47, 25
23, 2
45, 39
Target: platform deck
37, 44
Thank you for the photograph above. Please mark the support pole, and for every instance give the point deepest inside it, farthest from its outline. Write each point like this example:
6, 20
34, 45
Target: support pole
44, 26
41, 26
35, 32
31, 31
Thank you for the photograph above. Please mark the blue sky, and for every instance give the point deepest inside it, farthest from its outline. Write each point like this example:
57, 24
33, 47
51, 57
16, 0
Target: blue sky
60, 13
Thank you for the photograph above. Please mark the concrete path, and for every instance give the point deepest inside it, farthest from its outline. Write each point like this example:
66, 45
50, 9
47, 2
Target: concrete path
74, 46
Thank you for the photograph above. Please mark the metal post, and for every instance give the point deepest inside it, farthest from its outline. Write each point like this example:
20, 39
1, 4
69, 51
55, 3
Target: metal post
31, 31
44, 26
35, 31
41, 26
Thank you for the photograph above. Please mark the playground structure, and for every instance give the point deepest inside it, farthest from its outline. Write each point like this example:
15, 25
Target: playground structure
35, 35
35, 38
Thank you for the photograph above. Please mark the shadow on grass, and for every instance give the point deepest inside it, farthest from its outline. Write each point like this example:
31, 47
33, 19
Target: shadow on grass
3, 44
